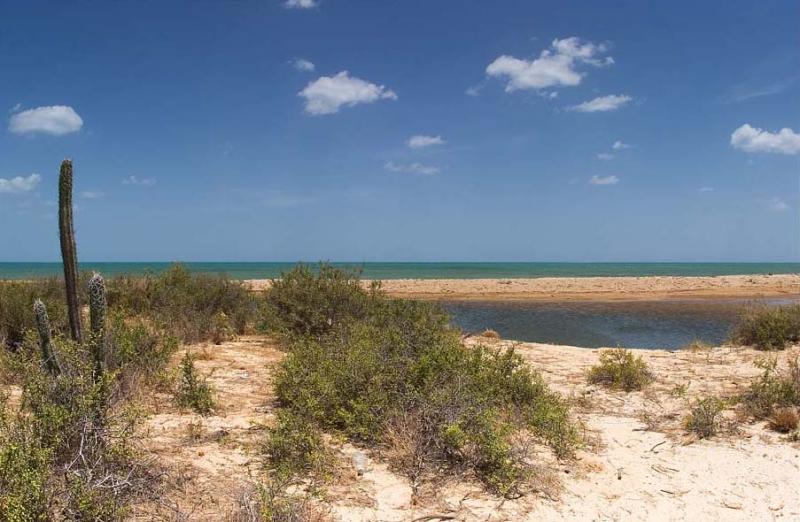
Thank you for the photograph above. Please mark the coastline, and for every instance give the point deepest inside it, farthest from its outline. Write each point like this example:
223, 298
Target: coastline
589, 288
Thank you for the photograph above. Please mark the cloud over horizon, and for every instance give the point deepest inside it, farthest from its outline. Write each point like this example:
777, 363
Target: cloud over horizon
753, 139
555, 67
55, 120
327, 94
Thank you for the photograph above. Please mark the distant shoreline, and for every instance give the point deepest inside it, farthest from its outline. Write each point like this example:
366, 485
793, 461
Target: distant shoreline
589, 288
418, 270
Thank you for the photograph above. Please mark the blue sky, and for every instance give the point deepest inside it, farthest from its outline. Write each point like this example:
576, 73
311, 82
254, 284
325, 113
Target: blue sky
367, 130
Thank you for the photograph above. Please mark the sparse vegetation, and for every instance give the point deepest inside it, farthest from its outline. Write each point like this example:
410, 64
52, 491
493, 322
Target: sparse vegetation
784, 420
620, 369
768, 327
705, 417
381, 371
773, 389
193, 391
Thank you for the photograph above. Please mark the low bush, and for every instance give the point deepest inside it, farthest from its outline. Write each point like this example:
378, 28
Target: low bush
705, 417
16, 302
309, 303
193, 391
768, 327
394, 372
784, 420
620, 369
294, 446
774, 388
192, 306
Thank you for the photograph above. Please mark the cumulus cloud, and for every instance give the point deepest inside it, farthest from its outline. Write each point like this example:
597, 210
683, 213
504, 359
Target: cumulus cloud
412, 168
421, 141
303, 65
555, 67
19, 184
605, 180
777, 205
602, 103
752, 139
474, 90
55, 119
300, 4
327, 94
619, 145
133, 180
605, 156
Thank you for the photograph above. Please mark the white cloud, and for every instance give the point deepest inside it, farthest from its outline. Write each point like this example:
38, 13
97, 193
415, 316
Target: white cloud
605, 180
619, 145
602, 103
605, 156
56, 120
706, 189
300, 4
303, 65
421, 141
474, 90
92, 194
327, 94
19, 184
412, 168
752, 139
778, 205
15, 108
133, 180
556, 66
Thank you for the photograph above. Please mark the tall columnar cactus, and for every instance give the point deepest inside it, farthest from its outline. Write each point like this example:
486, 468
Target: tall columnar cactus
69, 253
45, 343
98, 308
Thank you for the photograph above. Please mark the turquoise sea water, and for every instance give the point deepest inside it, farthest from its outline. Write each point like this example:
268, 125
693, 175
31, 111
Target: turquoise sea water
424, 270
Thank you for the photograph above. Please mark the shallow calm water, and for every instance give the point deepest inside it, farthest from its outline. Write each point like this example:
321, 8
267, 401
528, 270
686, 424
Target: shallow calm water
639, 324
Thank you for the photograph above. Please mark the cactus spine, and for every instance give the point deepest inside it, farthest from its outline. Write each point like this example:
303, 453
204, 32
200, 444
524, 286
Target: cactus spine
45, 343
98, 308
69, 254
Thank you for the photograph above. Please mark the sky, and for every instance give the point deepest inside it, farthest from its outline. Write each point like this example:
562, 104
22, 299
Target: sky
365, 130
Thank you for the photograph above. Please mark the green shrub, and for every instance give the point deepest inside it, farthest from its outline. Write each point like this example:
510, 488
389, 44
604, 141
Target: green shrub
16, 302
773, 388
304, 302
193, 392
620, 369
294, 445
768, 327
705, 417
383, 362
185, 304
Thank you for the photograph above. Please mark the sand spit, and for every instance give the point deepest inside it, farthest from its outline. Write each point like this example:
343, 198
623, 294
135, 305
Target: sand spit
590, 288
640, 463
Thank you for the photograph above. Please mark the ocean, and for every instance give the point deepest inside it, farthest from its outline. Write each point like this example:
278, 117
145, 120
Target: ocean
443, 270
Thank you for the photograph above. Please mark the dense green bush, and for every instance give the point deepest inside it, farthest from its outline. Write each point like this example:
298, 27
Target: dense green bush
620, 369
381, 370
305, 302
16, 302
768, 327
192, 306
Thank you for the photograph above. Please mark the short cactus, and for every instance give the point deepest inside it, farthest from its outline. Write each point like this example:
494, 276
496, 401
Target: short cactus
45, 343
98, 308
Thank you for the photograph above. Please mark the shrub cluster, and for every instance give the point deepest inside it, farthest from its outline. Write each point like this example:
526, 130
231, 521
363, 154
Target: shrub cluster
394, 373
193, 391
768, 327
16, 299
705, 417
192, 306
620, 369
65, 449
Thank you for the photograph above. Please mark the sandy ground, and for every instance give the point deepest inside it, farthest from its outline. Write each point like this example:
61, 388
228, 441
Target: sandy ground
590, 288
640, 464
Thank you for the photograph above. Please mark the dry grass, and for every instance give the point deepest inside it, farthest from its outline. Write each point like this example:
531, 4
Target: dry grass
784, 420
490, 334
